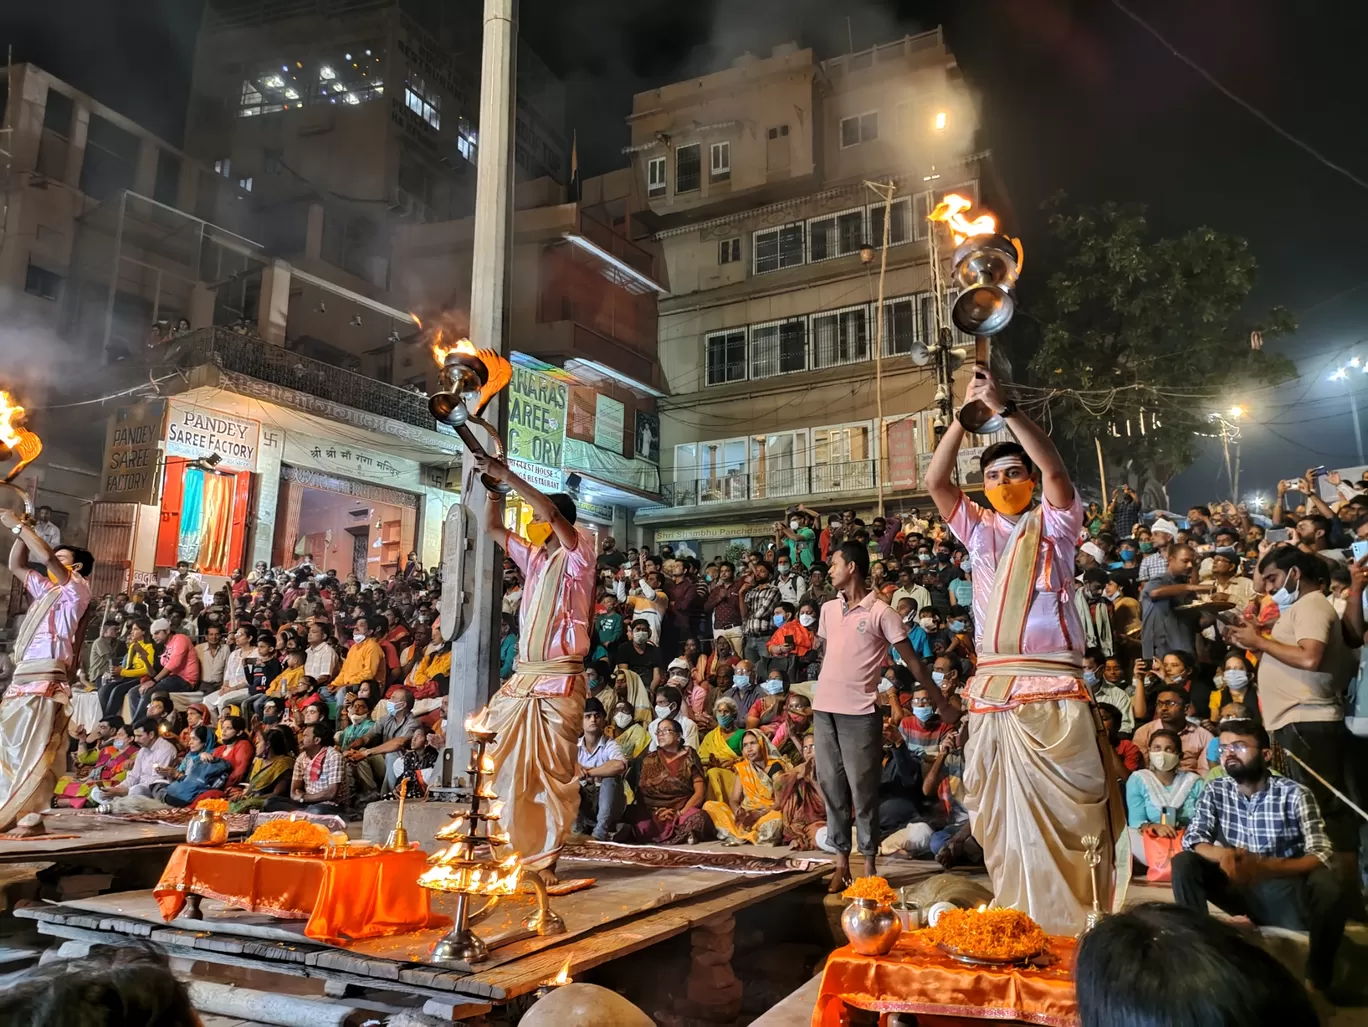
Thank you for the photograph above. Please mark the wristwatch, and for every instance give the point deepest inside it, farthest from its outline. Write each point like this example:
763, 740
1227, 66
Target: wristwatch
1008, 410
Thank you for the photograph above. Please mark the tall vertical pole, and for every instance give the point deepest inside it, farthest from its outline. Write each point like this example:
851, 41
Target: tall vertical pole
887, 193
1353, 409
474, 653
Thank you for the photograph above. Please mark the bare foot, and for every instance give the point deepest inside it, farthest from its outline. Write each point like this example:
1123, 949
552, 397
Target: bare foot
841, 878
870, 869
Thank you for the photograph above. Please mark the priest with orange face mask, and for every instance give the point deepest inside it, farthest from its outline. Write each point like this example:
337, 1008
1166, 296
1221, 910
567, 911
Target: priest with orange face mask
539, 711
1034, 769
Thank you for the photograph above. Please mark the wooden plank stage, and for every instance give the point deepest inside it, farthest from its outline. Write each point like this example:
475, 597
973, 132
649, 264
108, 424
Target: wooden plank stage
94, 834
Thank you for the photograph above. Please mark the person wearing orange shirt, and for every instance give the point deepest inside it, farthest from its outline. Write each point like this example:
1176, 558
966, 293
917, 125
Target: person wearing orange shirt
790, 642
364, 660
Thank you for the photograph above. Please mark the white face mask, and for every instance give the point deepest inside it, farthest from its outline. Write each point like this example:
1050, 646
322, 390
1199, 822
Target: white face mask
662, 711
928, 624
358, 636
622, 720
807, 619
641, 637
793, 524
1164, 761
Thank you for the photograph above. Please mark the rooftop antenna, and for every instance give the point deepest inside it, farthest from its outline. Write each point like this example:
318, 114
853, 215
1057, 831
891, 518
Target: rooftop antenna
850, 36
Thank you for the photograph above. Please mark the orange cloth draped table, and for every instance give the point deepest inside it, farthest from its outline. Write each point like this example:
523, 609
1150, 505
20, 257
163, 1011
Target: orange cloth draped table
916, 977
358, 897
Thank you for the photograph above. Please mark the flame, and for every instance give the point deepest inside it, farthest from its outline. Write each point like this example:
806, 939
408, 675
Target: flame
440, 350
495, 810
10, 412
951, 210
478, 721
563, 978
487, 764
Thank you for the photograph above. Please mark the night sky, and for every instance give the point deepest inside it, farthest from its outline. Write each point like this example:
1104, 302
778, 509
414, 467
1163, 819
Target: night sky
1074, 95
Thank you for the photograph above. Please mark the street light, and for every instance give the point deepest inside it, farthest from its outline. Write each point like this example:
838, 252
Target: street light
941, 120
1237, 411
1342, 374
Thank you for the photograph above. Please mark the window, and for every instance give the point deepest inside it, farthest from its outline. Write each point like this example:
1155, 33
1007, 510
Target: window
655, 176
908, 320
859, 128
840, 336
467, 140
57, 113
349, 75
899, 222
41, 282
729, 251
719, 161
245, 184
423, 101
272, 161
836, 235
777, 248
778, 347
842, 458
778, 464
726, 356
224, 167
687, 168
778, 132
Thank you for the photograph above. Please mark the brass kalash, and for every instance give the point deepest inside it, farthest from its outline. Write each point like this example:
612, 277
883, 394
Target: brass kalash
17, 441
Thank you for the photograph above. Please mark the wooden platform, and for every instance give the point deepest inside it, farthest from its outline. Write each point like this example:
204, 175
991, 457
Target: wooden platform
629, 908
94, 833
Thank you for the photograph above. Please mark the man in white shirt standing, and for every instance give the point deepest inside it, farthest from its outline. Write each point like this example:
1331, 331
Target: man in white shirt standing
45, 529
602, 767
213, 659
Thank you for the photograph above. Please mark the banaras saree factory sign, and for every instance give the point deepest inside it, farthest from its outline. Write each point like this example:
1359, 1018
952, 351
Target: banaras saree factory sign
536, 427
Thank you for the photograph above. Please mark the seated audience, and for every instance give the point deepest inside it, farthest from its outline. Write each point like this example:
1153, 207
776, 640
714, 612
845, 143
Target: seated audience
750, 813
319, 781
199, 771
668, 783
626, 731
270, 774
602, 769
668, 702
1170, 708
799, 800
1160, 799
110, 986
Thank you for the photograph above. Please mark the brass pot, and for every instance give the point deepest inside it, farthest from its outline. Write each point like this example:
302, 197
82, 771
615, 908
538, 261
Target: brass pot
872, 927
206, 828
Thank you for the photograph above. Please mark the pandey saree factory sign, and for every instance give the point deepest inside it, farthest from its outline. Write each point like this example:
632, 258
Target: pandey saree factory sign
132, 453
536, 427
194, 432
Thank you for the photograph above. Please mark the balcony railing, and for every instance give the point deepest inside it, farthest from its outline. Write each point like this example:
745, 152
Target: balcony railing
786, 483
283, 367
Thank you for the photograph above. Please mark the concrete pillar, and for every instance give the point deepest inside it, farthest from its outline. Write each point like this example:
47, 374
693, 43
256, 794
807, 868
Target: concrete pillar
80, 129
313, 232
474, 654
273, 306
268, 494
145, 174
201, 311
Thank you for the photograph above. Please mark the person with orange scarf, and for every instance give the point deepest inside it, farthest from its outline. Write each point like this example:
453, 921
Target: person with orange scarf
1035, 780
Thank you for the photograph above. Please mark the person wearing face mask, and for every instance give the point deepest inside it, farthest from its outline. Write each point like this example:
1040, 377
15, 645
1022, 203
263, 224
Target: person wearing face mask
923, 730
1160, 800
1257, 846
669, 702
1154, 550
1170, 713
365, 660
961, 639
637, 654
790, 644
1305, 665
1125, 570
769, 709
721, 748
378, 762
1032, 730
791, 586
909, 589
1234, 684
626, 729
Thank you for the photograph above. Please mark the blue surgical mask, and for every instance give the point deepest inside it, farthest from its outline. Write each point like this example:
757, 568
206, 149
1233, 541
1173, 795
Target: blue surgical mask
1236, 678
740, 680
1213, 752
1284, 597
1090, 678
938, 676
778, 619
958, 625
923, 713
391, 707
772, 686
726, 720
1128, 554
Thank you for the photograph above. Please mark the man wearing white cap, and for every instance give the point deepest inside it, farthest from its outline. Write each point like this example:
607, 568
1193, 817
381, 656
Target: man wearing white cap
1162, 533
179, 669
1090, 555
1036, 773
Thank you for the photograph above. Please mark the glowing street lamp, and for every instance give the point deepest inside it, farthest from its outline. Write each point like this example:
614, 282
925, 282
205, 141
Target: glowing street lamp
1237, 411
1339, 374
940, 121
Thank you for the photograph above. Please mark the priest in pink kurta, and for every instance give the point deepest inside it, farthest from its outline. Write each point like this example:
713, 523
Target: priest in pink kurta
539, 712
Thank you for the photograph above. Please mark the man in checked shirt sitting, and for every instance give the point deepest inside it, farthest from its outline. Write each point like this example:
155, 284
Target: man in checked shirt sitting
1256, 846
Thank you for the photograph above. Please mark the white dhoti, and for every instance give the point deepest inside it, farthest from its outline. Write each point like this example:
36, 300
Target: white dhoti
1035, 785
33, 745
536, 765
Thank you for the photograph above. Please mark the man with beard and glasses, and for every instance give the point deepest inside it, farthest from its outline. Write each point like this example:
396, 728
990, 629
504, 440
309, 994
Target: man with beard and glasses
1256, 846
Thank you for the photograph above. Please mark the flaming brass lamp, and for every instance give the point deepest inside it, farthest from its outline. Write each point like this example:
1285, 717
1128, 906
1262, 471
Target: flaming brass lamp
470, 378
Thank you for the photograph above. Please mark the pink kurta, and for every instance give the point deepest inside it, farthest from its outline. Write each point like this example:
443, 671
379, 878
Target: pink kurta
574, 610
1052, 625
54, 637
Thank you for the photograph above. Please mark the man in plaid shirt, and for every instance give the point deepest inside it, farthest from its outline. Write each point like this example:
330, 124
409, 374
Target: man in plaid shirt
1256, 846
319, 784
757, 612
1162, 534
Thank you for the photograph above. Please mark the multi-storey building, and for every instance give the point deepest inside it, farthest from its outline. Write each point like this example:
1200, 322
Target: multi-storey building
760, 185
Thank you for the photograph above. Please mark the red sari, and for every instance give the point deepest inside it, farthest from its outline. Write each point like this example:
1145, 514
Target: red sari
664, 787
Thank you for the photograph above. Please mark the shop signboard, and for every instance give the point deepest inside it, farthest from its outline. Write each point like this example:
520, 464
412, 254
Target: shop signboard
900, 445
197, 432
536, 427
350, 461
132, 453
610, 420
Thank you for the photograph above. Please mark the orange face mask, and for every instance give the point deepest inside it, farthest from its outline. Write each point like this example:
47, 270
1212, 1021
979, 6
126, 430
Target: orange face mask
538, 532
1011, 497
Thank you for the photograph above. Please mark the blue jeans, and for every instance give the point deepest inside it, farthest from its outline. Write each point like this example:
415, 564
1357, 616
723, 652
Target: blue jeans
602, 802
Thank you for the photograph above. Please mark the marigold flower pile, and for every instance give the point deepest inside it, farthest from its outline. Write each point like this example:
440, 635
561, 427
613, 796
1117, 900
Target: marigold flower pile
876, 889
292, 833
988, 933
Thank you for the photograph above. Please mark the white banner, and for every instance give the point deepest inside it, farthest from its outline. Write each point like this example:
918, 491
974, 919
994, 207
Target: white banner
350, 461
194, 432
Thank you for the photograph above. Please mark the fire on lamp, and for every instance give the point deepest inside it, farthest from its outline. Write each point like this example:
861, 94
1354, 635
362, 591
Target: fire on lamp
471, 377
17, 441
559, 981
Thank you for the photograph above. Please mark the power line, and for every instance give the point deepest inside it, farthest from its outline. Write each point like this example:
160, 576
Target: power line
1233, 97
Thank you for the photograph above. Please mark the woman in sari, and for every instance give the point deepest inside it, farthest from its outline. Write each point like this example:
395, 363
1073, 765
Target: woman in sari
195, 715
629, 734
199, 772
698, 699
112, 765
749, 816
270, 774
720, 749
669, 794
800, 800
789, 730
360, 725
631, 688
705, 667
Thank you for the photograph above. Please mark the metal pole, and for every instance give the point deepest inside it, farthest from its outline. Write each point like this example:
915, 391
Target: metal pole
474, 652
1225, 449
1101, 469
1236, 489
1353, 409
878, 352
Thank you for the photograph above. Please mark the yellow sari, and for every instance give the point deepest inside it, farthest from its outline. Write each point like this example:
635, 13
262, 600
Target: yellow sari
717, 746
757, 796
633, 741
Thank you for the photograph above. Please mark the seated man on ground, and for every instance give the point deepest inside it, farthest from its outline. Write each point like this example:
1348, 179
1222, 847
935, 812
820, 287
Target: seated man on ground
1257, 846
319, 781
602, 769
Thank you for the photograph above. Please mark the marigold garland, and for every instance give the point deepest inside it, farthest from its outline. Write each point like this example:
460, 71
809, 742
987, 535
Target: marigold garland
293, 833
213, 805
988, 933
875, 889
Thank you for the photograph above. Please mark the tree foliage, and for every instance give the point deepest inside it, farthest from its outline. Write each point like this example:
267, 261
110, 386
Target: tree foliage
1134, 327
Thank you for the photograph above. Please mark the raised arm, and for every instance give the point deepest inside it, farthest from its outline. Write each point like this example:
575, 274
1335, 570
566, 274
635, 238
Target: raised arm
940, 483
1054, 479
28, 542
542, 507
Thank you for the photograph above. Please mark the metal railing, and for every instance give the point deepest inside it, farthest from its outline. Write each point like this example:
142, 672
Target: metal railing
279, 366
785, 483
